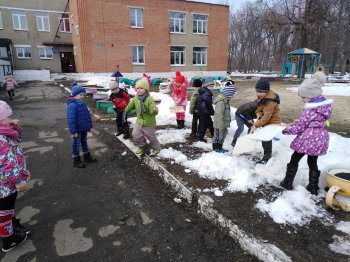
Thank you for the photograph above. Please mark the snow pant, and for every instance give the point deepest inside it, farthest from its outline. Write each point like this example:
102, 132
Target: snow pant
195, 120
11, 93
140, 133
311, 160
205, 122
240, 127
267, 146
7, 211
77, 141
121, 121
181, 116
219, 135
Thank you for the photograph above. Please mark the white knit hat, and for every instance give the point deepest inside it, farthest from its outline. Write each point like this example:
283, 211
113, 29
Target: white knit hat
112, 84
312, 87
5, 110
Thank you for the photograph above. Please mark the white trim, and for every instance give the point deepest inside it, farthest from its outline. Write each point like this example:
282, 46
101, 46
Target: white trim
138, 64
318, 104
136, 27
22, 45
179, 45
184, 12
33, 10
194, 13
129, 6
178, 65
206, 34
44, 46
1, 23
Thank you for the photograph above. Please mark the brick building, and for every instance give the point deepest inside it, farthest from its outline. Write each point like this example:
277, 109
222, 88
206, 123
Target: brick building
149, 35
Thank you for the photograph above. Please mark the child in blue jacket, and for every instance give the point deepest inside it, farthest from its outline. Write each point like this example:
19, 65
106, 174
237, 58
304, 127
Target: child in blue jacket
79, 123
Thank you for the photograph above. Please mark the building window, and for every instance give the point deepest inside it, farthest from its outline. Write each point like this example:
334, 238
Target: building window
19, 19
1, 21
177, 55
3, 52
45, 52
42, 21
64, 22
23, 52
200, 24
199, 55
136, 17
177, 22
138, 55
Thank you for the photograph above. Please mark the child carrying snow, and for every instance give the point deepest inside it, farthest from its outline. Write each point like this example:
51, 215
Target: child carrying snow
311, 132
222, 116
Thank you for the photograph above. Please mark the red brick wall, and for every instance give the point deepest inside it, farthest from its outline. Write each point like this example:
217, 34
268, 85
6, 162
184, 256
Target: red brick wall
105, 35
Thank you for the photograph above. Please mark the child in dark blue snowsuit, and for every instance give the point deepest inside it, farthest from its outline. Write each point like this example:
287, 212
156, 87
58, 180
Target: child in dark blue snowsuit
204, 106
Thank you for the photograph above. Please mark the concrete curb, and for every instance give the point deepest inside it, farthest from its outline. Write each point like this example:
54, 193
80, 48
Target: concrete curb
257, 247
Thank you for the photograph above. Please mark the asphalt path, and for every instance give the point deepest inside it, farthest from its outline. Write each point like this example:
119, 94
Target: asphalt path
113, 210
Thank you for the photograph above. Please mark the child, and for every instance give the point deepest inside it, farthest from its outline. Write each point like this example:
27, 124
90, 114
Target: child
244, 116
10, 84
180, 85
146, 111
222, 116
197, 83
312, 137
204, 106
14, 175
268, 112
120, 99
79, 123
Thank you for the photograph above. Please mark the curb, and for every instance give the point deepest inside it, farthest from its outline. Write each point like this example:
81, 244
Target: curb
255, 246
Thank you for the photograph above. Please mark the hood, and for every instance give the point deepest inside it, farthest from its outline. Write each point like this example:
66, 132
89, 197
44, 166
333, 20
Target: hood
271, 96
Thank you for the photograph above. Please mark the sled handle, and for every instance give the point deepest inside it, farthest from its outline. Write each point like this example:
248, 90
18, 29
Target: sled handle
330, 198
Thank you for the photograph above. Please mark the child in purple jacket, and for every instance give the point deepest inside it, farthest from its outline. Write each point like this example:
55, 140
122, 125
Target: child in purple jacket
311, 132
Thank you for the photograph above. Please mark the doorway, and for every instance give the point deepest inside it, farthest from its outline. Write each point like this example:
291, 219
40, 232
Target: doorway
67, 62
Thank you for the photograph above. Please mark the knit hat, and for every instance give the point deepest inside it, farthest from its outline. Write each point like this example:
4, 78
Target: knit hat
229, 90
311, 88
77, 90
197, 82
179, 78
142, 84
262, 86
74, 83
113, 84
5, 110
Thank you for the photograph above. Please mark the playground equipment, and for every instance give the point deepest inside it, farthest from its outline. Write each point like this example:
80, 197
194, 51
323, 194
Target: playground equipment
338, 181
301, 61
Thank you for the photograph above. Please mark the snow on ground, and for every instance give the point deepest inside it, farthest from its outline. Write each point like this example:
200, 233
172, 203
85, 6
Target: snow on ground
296, 206
330, 89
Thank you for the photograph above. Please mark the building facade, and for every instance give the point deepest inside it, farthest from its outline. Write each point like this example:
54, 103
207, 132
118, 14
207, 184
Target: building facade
36, 34
149, 35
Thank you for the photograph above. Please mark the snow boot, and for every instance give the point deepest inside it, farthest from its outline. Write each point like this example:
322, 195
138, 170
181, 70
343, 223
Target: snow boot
182, 124
220, 149
215, 146
88, 158
18, 228
10, 94
265, 159
287, 182
77, 162
13, 241
126, 133
178, 124
312, 187
120, 132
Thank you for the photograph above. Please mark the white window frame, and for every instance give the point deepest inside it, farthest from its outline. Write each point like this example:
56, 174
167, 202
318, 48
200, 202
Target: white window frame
62, 23
43, 21
201, 55
201, 25
138, 18
177, 22
19, 16
1, 26
46, 52
138, 49
178, 56
23, 48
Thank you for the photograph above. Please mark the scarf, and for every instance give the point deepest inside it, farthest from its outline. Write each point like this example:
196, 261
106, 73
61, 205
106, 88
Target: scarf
10, 131
142, 103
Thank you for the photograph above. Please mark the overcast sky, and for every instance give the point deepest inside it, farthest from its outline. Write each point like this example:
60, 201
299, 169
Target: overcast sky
235, 4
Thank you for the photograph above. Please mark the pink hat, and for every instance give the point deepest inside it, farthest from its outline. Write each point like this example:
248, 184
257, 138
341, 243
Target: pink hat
5, 110
179, 78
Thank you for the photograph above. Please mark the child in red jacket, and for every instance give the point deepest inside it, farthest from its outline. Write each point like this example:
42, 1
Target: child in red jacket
120, 99
180, 85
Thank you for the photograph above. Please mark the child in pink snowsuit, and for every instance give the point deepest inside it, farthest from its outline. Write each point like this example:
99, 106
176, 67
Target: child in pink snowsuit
180, 85
10, 84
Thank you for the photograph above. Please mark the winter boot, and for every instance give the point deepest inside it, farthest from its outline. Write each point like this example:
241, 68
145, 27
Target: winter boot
178, 124
312, 187
13, 92
13, 241
18, 228
88, 158
10, 94
287, 182
234, 141
220, 149
126, 133
265, 159
77, 162
215, 146
140, 150
182, 124
193, 136
120, 132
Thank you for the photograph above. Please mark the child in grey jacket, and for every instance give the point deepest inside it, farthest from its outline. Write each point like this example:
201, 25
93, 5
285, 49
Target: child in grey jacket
222, 116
